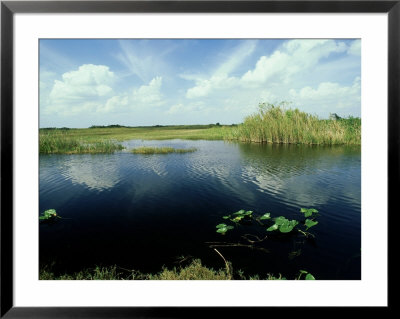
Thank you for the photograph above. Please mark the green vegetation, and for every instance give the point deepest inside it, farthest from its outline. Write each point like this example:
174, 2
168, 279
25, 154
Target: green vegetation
223, 228
280, 223
161, 150
277, 228
272, 124
49, 215
63, 142
275, 124
99, 139
194, 271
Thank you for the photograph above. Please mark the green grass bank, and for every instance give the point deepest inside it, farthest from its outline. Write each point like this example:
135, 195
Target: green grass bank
271, 124
195, 270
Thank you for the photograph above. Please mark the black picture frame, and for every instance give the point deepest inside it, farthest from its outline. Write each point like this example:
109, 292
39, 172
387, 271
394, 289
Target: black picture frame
9, 8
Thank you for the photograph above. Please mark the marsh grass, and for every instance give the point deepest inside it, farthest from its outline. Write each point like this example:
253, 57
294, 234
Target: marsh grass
271, 124
161, 150
276, 124
188, 132
61, 142
193, 271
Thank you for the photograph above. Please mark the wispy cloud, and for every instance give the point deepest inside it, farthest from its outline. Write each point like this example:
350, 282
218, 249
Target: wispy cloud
142, 60
220, 78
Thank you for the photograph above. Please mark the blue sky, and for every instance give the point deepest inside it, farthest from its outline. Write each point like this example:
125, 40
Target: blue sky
194, 81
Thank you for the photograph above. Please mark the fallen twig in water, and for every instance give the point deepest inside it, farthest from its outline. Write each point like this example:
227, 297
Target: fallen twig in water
239, 245
245, 236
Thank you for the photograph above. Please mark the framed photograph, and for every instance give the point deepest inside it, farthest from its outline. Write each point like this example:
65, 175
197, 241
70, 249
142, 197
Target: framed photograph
182, 158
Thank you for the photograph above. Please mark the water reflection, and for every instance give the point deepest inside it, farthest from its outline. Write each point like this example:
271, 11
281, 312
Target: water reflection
96, 172
298, 174
156, 207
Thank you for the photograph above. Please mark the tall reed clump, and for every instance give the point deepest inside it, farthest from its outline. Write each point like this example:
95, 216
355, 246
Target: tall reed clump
63, 143
276, 124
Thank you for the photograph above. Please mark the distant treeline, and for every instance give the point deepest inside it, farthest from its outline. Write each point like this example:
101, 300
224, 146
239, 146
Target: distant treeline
108, 126
54, 128
194, 126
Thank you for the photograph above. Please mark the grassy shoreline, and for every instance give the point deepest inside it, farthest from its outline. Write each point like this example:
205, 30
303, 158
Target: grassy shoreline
271, 124
106, 140
195, 270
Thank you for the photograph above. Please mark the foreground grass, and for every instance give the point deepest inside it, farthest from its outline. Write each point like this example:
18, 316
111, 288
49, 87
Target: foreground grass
161, 150
275, 124
194, 271
60, 142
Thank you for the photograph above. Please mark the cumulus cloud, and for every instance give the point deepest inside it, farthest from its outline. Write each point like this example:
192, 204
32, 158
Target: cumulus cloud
329, 96
292, 58
88, 81
90, 89
149, 94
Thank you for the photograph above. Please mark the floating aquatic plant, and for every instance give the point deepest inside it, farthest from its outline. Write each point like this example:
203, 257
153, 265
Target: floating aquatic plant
49, 215
240, 215
283, 224
265, 216
308, 211
223, 228
310, 223
279, 224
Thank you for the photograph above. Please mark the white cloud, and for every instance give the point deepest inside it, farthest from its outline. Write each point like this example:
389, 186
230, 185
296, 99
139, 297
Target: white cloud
114, 103
237, 57
329, 96
89, 89
180, 108
355, 48
149, 94
220, 79
88, 81
216, 82
294, 57
142, 60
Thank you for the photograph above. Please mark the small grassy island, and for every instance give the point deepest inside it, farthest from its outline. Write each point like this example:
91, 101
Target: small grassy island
161, 150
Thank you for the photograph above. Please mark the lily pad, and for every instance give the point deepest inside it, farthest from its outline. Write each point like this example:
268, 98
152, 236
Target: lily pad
237, 219
49, 215
222, 230
288, 226
310, 223
280, 220
265, 216
308, 211
273, 227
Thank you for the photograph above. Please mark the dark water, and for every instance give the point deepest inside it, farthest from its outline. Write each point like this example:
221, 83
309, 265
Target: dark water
144, 211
